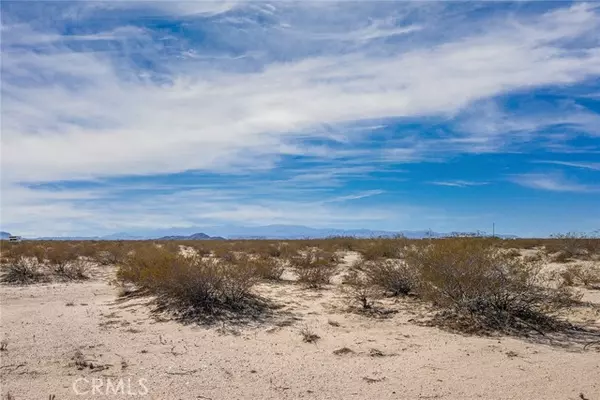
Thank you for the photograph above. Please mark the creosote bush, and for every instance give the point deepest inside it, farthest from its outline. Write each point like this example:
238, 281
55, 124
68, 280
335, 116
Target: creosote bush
315, 267
393, 276
358, 288
573, 245
586, 274
76, 270
482, 287
375, 249
196, 282
111, 253
23, 271
264, 267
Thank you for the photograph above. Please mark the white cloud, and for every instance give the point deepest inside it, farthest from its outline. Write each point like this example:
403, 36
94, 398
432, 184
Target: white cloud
551, 182
585, 165
355, 196
95, 123
82, 211
458, 183
87, 114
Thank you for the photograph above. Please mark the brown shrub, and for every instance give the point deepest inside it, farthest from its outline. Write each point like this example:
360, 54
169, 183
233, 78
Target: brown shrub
358, 288
485, 289
112, 253
573, 245
76, 270
393, 276
23, 271
375, 249
265, 267
512, 253
204, 284
586, 274
315, 267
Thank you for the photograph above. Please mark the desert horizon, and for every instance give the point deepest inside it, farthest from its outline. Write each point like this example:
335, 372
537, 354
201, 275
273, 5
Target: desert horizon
285, 199
320, 318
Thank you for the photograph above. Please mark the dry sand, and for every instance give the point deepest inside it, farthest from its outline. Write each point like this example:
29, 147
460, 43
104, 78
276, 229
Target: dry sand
357, 357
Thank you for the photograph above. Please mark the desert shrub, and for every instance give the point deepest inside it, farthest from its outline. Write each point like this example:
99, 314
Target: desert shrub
23, 271
513, 253
343, 243
200, 249
571, 245
76, 270
587, 274
173, 246
85, 249
562, 257
264, 267
382, 248
28, 249
205, 284
537, 257
394, 276
59, 256
288, 250
315, 267
111, 253
358, 288
260, 248
482, 288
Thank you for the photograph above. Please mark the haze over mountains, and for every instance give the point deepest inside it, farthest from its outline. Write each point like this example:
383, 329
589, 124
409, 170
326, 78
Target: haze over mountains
257, 232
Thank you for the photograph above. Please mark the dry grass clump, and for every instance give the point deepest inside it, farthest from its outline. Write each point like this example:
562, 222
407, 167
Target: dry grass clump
315, 267
393, 276
586, 274
481, 288
190, 284
308, 335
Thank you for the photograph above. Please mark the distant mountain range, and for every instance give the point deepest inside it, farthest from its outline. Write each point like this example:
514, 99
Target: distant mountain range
259, 232
195, 236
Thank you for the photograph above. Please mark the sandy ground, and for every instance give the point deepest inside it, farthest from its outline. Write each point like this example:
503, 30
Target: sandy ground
50, 327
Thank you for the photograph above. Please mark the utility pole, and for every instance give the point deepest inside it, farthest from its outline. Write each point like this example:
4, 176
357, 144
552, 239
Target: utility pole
493, 229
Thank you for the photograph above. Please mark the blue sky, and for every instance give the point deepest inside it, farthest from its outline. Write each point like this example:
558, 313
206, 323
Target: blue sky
387, 115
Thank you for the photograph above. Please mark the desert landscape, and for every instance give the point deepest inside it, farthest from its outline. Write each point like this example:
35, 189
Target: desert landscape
338, 318
328, 200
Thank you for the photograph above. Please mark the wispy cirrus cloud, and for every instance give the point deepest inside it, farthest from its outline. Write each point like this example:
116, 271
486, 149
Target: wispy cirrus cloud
218, 121
552, 182
280, 112
458, 183
595, 166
